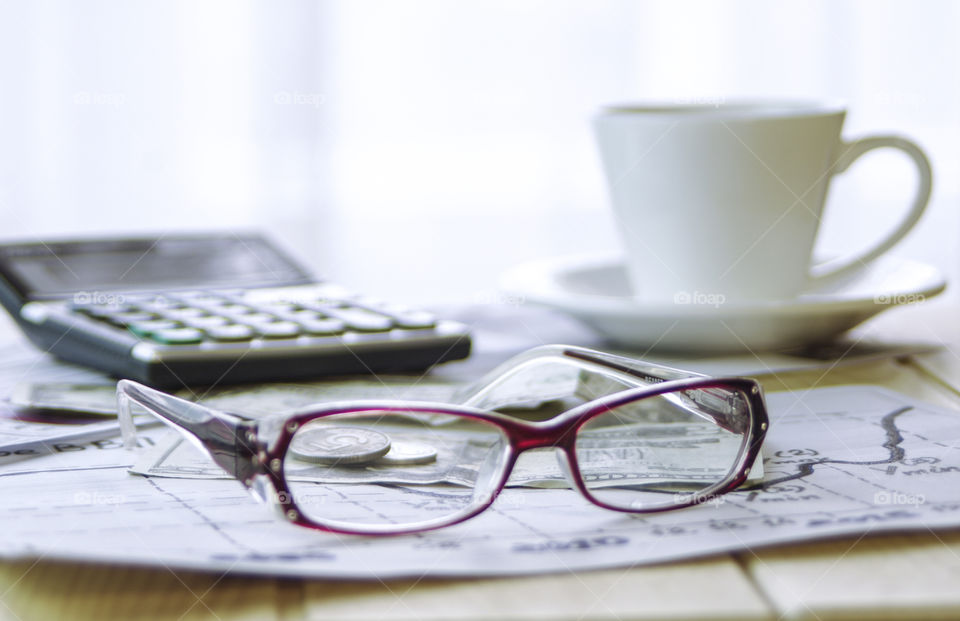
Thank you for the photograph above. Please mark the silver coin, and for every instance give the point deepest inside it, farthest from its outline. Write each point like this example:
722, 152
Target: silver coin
408, 454
339, 445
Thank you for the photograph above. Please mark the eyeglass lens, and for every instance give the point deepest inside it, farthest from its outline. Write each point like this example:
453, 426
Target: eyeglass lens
388, 468
663, 450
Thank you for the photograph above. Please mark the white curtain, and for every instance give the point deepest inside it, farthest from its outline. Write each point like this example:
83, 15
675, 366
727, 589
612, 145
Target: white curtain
129, 117
416, 149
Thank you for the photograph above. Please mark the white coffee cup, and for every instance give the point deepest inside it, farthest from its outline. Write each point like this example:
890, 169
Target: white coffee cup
724, 201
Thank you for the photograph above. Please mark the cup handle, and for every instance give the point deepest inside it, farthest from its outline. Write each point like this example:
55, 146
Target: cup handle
849, 152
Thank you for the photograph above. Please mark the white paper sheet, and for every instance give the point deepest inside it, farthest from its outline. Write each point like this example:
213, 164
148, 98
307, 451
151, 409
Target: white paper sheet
842, 460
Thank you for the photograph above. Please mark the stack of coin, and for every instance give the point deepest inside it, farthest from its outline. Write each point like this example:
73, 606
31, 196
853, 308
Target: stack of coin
341, 445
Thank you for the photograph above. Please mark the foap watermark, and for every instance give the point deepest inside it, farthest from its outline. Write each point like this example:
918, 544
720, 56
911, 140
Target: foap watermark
298, 98
898, 298
90, 499
499, 299
698, 499
305, 500
103, 298
909, 100
699, 298
886, 497
513, 500
701, 100
92, 98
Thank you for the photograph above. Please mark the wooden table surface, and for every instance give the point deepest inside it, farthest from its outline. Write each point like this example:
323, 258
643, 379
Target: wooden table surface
870, 577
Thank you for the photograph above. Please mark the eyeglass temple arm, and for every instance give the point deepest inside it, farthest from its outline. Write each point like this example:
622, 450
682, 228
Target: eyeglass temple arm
613, 368
229, 440
646, 372
723, 409
653, 373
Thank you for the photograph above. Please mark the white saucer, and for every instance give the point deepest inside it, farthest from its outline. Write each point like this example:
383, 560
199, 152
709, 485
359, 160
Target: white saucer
594, 289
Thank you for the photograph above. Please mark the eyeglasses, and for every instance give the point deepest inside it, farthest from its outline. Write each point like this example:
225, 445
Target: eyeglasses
628, 435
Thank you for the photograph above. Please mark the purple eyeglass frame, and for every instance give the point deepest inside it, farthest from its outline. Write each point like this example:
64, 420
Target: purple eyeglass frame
240, 445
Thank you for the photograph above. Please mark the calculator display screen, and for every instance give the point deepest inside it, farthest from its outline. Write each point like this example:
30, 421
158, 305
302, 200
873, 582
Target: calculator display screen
63, 268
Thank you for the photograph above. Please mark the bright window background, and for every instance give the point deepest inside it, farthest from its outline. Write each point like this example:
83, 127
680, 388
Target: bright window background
418, 149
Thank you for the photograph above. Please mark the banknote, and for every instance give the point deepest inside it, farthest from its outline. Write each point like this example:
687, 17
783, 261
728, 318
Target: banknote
85, 398
689, 453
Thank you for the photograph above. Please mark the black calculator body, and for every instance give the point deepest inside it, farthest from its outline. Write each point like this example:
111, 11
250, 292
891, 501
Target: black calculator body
181, 310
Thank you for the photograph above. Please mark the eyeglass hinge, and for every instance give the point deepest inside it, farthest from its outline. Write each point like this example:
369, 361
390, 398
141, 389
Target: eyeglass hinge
249, 452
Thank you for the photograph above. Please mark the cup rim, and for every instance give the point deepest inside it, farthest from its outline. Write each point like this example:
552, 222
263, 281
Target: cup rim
745, 108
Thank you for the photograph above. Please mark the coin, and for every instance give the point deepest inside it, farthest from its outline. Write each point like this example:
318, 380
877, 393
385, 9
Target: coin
339, 445
408, 454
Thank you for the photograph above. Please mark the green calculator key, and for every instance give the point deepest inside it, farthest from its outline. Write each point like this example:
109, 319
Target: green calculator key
177, 336
146, 328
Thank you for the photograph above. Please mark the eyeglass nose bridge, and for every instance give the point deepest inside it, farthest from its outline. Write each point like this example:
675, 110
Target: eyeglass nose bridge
564, 462
527, 436
559, 435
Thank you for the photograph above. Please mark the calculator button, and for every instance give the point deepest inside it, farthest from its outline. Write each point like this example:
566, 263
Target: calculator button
278, 330
182, 314
256, 319
160, 303
231, 332
235, 309
177, 336
323, 304
404, 317
322, 327
414, 320
209, 321
361, 320
159, 309
103, 311
125, 319
279, 307
146, 328
212, 305
304, 315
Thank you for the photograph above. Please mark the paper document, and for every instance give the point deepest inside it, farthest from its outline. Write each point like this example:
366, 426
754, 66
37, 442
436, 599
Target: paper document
843, 460
20, 439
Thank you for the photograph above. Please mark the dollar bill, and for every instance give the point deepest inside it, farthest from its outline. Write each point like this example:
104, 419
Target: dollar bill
65, 397
679, 452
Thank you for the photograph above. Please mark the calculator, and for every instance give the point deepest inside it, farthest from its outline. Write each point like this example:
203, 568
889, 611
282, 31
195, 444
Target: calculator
179, 310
